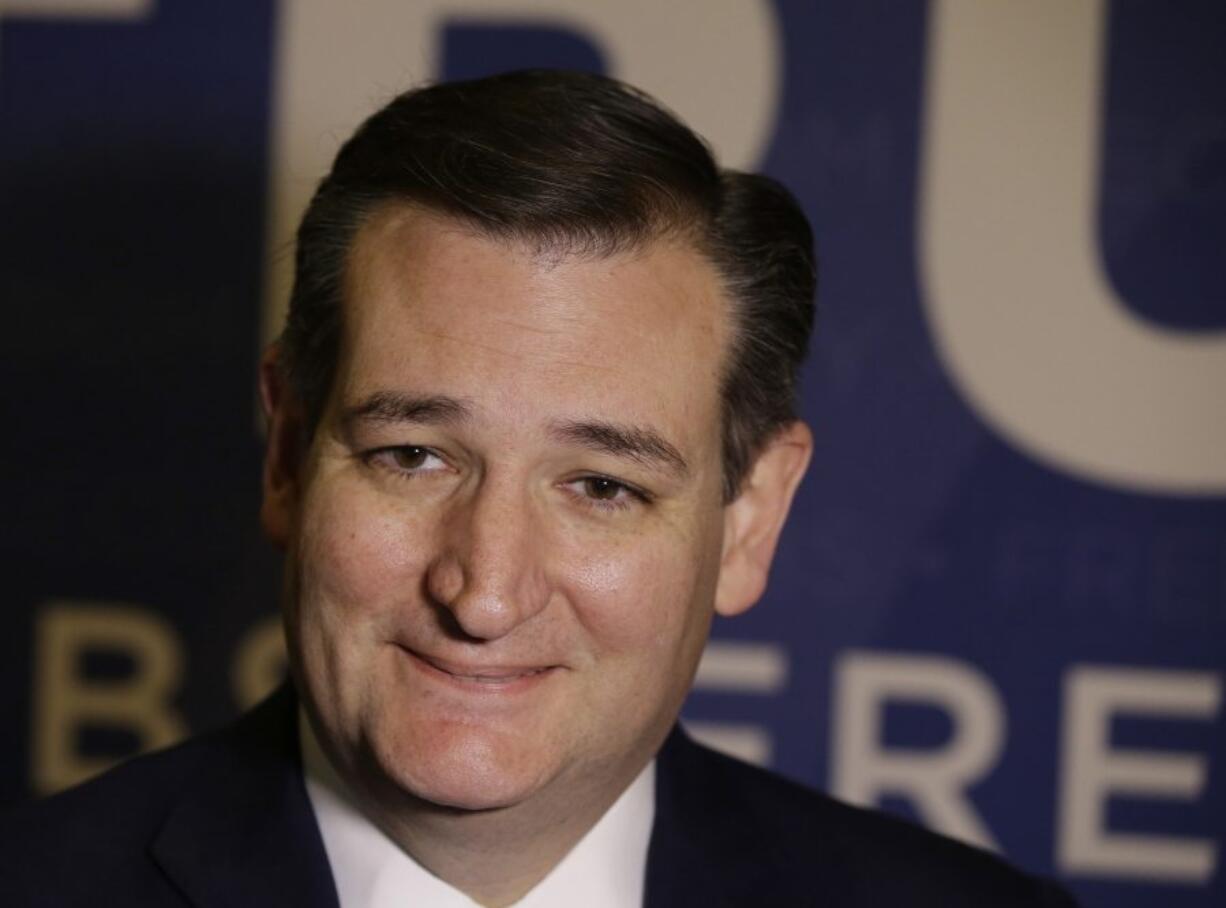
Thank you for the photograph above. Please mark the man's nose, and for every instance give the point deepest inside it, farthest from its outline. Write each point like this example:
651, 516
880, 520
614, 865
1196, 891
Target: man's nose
489, 572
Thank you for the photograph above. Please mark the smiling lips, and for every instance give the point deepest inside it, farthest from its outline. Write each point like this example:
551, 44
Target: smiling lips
481, 677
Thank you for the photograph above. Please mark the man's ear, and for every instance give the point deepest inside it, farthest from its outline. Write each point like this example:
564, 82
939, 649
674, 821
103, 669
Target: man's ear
283, 455
752, 521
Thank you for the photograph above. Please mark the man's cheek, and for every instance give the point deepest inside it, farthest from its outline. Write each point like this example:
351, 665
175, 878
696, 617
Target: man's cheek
633, 600
359, 552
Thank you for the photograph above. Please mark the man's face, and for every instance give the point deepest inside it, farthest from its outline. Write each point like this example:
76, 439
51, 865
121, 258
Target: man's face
505, 538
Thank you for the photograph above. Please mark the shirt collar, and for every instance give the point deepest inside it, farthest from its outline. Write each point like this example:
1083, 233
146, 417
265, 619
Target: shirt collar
605, 869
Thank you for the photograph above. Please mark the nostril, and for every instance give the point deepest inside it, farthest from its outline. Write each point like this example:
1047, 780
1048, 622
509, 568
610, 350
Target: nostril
445, 580
450, 626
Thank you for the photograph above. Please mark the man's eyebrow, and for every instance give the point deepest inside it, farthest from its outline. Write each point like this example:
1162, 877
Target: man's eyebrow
638, 443
398, 407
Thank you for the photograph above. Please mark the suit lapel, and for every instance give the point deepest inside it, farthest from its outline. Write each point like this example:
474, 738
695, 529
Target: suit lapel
728, 835
685, 860
243, 833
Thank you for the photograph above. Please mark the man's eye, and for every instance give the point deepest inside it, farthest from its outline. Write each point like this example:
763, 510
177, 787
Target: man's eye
602, 489
606, 494
409, 459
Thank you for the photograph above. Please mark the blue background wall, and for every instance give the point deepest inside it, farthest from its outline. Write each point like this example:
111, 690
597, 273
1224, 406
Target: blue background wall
138, 144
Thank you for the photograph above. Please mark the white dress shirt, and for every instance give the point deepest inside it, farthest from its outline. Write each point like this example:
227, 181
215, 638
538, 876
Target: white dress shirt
606, 869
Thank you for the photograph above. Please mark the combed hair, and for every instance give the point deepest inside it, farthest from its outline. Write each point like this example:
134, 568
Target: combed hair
573, 164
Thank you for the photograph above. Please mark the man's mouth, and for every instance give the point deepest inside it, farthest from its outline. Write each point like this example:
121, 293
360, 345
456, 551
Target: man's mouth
491, 675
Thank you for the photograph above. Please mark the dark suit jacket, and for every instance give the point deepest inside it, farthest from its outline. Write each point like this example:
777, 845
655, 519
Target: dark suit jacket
224, 820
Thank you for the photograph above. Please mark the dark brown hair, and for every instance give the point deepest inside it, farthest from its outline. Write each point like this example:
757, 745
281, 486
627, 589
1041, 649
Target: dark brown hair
576, 164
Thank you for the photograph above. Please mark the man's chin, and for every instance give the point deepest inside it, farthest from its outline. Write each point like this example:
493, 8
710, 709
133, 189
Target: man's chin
468, 771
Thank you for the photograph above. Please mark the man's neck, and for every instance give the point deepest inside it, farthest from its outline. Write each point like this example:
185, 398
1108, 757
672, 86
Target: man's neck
494, 856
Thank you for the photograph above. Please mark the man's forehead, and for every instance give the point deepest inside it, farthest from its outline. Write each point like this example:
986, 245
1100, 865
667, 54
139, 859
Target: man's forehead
433, 306
436, 270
